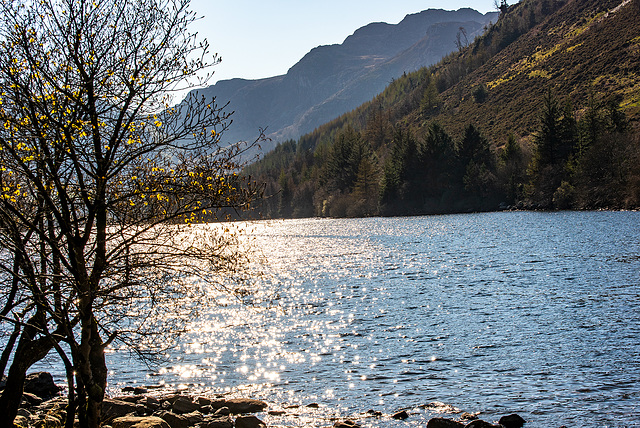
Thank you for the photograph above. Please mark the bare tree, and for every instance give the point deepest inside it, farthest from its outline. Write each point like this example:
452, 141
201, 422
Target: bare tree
103, 182
462, 41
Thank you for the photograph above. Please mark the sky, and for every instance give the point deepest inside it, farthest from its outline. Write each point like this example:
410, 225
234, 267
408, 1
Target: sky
264, 38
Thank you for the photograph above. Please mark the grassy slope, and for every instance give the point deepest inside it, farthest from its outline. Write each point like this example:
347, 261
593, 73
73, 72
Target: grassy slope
583, 48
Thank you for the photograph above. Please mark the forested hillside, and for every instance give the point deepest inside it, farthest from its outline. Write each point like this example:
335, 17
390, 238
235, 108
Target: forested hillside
541, 111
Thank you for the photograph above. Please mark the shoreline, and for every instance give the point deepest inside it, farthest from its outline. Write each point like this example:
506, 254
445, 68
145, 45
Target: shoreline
138, 407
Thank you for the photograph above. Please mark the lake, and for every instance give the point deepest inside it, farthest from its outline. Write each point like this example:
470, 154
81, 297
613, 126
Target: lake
525, 312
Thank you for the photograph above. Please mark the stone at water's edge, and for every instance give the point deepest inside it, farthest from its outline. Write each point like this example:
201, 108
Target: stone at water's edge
444, 423
245, 405
512, 421
401, 415
112, 409
42, 385
222, 411
223, 422
347, 423
139, 422
184, 404
249, 422
181, 421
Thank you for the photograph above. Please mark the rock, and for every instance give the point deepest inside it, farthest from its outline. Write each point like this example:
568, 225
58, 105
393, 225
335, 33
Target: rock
24, 412
245, 405
204, 401
222, 411
21, 421
479, 423
313, 405
347, 423
41, 384
31, 399
444, 423
174, 420
375, 413
59, 413
277, 412
127, 398
465, 416
150, 403
139, 422
194, 417
184, 404
218, 403
512, 421
112, 409
142, 410
139, 390
401, 415
48, 421
249, 422
223, 422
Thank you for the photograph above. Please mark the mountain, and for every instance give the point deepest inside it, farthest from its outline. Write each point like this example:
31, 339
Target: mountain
540, 111
331, 80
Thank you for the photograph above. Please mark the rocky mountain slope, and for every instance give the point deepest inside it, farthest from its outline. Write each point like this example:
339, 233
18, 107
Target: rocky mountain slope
331, 80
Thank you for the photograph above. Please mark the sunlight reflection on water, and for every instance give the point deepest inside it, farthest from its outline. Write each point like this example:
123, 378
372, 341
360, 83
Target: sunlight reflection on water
534, 313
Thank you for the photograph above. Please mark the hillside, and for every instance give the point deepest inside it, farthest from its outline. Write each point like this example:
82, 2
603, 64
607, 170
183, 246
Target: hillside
331, 80
542, 110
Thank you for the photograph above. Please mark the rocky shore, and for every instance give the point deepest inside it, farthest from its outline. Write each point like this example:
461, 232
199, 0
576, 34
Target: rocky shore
42, 407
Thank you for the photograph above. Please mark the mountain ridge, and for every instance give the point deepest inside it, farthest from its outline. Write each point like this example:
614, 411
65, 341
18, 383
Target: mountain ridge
329, 76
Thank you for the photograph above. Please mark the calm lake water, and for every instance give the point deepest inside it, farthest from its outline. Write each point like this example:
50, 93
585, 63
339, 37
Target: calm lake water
533, 313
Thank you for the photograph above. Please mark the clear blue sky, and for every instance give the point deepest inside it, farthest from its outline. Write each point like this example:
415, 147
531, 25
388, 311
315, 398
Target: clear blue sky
264, 38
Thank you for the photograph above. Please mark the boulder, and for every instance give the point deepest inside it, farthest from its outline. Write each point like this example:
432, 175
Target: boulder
48, 421
24, 412
512, 421
139, 422
245, 405
21, 421
249, 422
444, 423
127, 398
401, 415
466, 416
41, 384
204, 401
112, 409
174, 420
31, 399
217, 403
222, 411
184, 404
347, 423
223, 422
150, 403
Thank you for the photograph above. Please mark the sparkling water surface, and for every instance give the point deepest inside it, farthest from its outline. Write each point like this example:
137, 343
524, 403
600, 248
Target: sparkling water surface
525, 312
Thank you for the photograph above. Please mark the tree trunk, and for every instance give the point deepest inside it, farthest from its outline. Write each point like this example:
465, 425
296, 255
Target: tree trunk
28, 352
92, 368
